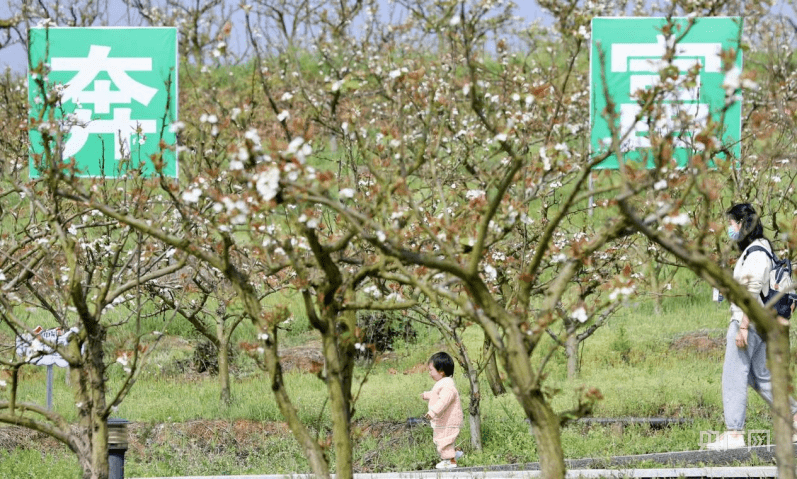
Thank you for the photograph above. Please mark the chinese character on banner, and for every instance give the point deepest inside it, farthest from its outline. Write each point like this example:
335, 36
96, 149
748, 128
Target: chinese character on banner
118, 97
633, 52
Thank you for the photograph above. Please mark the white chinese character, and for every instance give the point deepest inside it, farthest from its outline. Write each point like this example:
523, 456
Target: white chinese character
645, 58
121, 127
621, 52
102, 97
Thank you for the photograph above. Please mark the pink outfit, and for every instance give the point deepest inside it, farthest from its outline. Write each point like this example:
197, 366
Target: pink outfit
446, 413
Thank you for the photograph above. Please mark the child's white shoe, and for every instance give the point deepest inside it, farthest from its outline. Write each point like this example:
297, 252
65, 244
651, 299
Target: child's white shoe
458, 454
445, 464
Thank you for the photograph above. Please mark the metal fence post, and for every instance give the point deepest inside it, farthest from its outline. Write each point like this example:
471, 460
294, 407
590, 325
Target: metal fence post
117, 445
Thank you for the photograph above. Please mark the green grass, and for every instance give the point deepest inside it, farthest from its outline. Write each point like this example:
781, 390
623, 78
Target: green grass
32, 464
630, 360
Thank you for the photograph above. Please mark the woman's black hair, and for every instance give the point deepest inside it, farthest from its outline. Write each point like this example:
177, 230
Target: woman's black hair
750, 227
443, 363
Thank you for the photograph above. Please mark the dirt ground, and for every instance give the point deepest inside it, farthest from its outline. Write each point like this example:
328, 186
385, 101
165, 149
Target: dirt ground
703, 341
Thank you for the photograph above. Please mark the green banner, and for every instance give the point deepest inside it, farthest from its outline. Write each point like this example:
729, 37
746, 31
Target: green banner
118, 98
633, 50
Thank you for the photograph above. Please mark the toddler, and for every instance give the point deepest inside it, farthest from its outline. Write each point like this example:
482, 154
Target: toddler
445, 411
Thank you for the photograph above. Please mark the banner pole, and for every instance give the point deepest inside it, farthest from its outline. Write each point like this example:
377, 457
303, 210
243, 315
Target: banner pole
49, 387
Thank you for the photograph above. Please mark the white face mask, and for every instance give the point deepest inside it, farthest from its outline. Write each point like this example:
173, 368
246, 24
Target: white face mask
733, 233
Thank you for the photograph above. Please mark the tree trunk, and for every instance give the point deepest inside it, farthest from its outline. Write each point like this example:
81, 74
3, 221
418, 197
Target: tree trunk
655, 286
97, 465
544, 421
312, 450
493, 376
474, 410
545, 425
571, 349
224, 365
339, 400
778, 363
91, 394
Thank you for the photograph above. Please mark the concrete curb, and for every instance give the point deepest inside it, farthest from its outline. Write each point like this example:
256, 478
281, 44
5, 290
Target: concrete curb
683, 459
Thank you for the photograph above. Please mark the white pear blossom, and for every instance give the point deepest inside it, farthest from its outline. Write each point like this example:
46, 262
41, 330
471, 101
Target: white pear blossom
394, 297
372, 291
546, 162
267, 183
580, 314
192, 195
347, 193
299, 149
473, 194
679, 219
490, 272
252, 135
243, 155
732, 80
624, 291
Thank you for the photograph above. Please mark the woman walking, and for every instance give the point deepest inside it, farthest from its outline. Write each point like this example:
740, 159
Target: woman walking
745, 350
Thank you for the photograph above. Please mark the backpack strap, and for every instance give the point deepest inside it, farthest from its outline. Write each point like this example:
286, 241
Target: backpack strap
753, 249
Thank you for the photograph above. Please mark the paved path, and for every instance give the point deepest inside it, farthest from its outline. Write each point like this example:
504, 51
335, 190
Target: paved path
693, 472
685, 459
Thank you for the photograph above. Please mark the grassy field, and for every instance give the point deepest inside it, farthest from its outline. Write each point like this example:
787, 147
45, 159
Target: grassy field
645, 364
